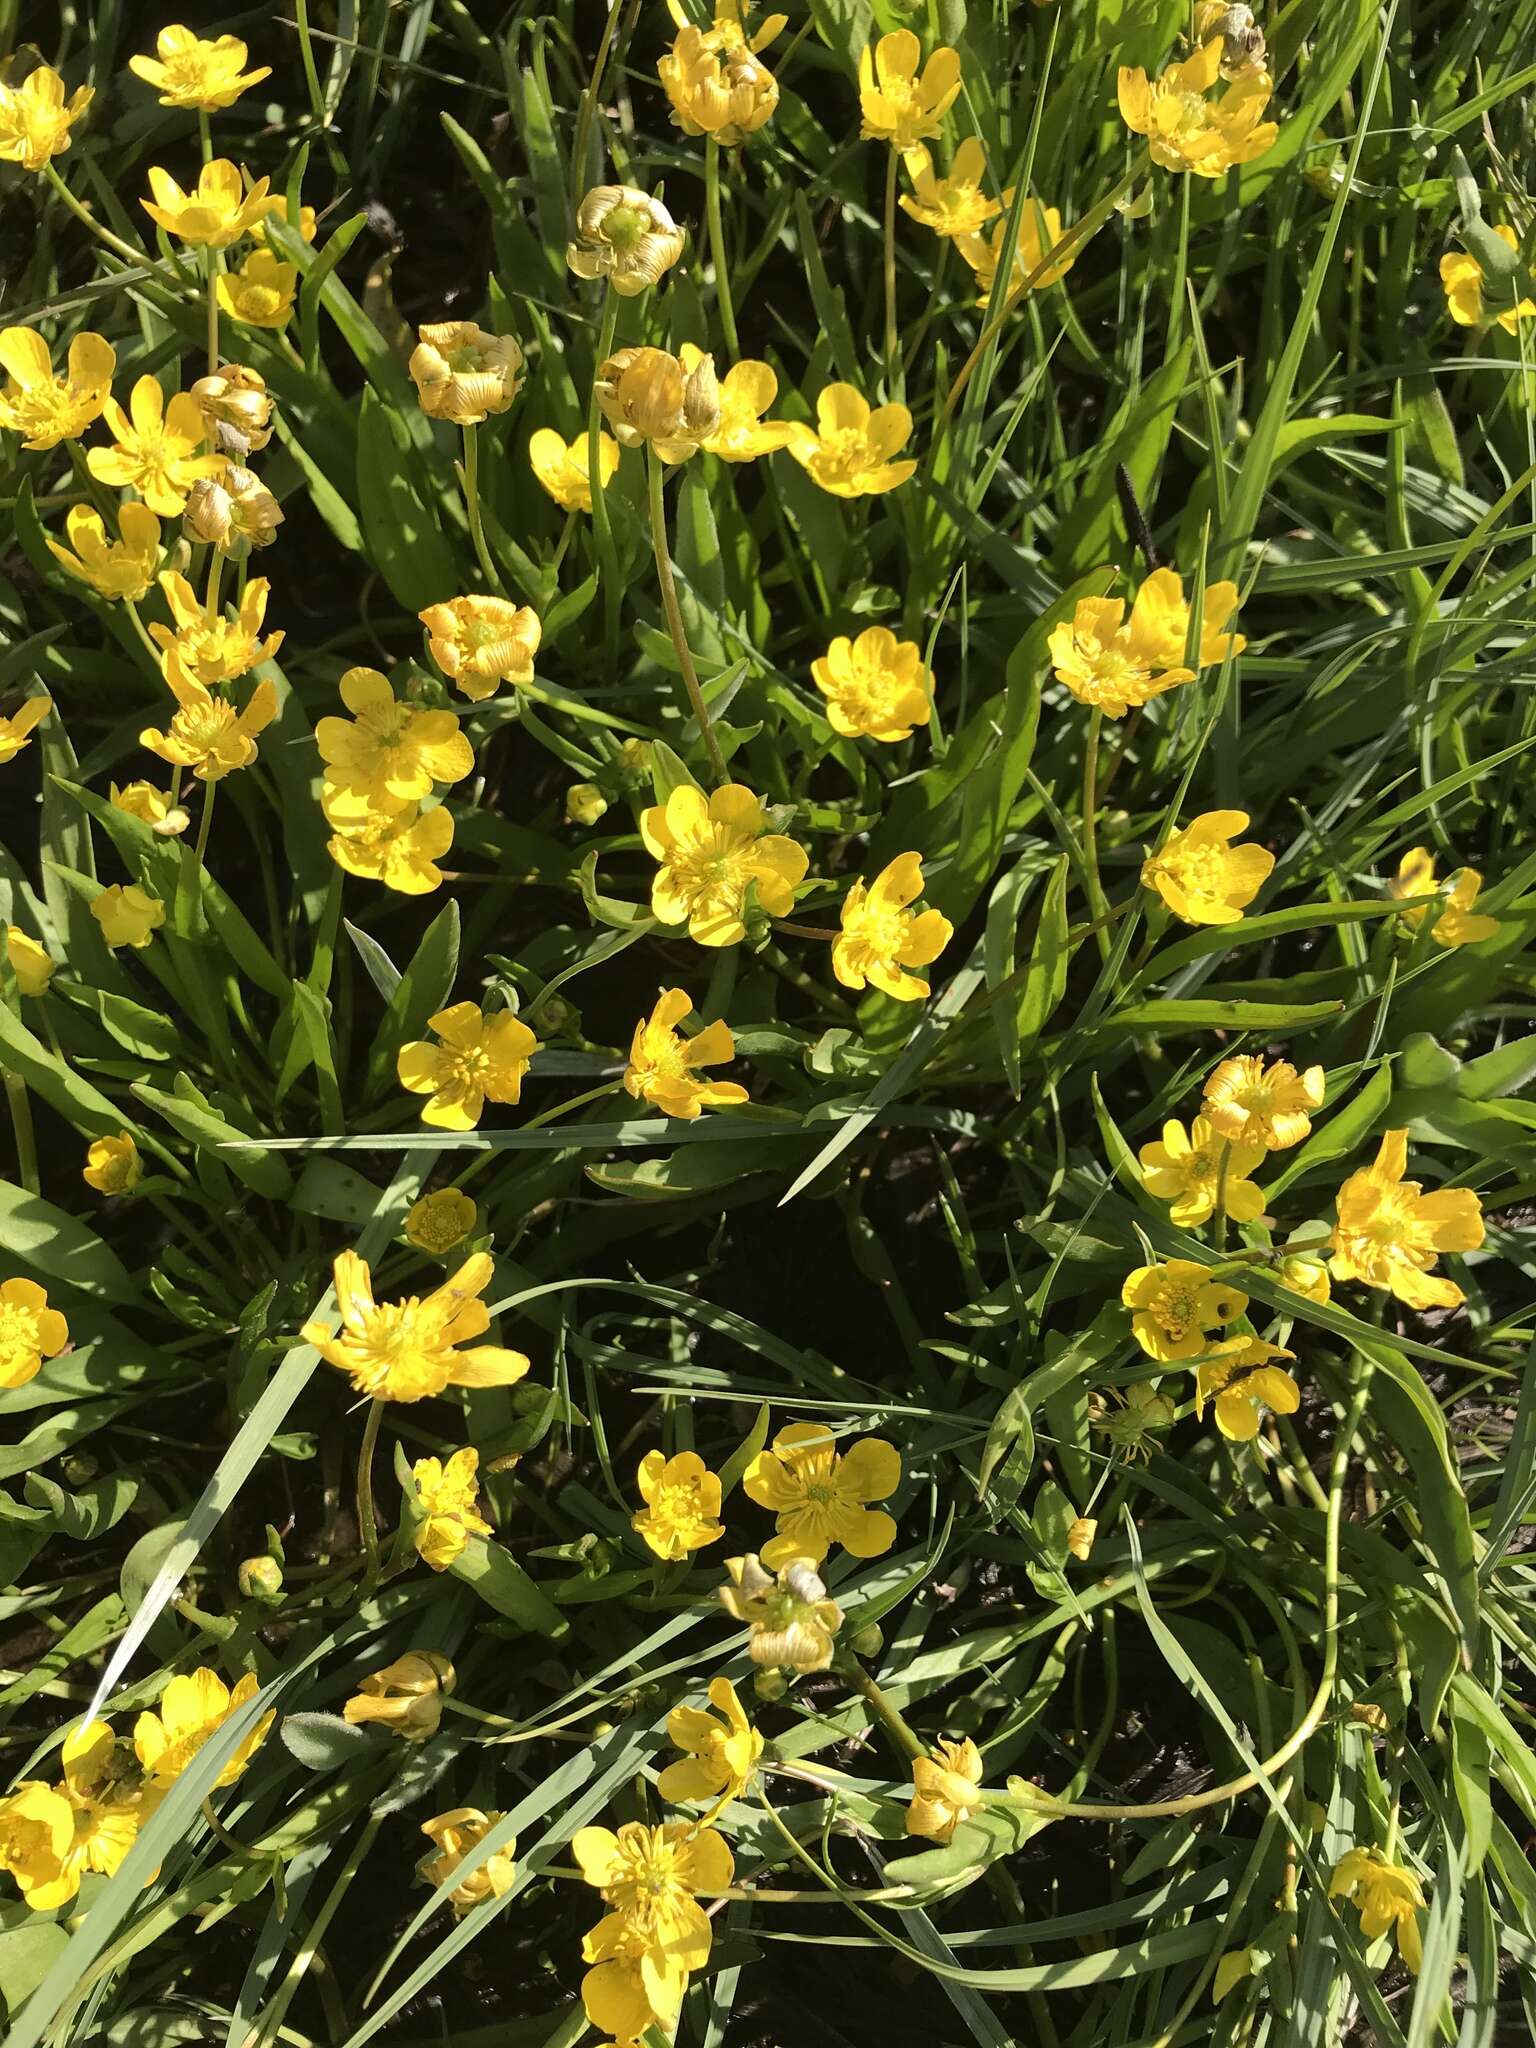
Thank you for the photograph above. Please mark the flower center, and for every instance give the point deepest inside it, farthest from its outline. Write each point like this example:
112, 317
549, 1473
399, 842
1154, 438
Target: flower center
1174, 1307
18, 1335
623, 227
203, 726
843, 454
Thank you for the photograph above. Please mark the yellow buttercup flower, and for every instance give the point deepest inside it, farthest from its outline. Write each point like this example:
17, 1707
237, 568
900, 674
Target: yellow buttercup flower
956, 204
112, 1165
307, 226
621, 1999
746, 391
207, 734
791, 1621
143, 801
821, 1495
456, 1834
188, 72
127, 916
400, 850
104, 1818
31, 963
462, 373
662, 1063
35, 118
561, 466
946, 1789
652, 399
1112, 662
123, 568
728, 30
236, 408
191, 1710
682, 1503
405, 1697
219, 209
1162, 621
1201, 876
876, 687
711, 851
1174, 1306
625, 236
37, 1832
1256, 1103
261, 292
1462, 277
439, 1221
1185, 131
155, 452
882, 936
209, 650
721, 1755
446, 1497
1189, 1170
46, 406
899, 105
30, 1331
17, 730
1389, 1232
650, 1878
409, 1350
849, 453
387, 755
1458, 924
725, 95
1040, 231
1244, 1380
480, 1059
1389, 1896
482, 642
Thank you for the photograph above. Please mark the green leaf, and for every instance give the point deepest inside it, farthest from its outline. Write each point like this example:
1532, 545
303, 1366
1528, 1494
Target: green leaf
63, 1251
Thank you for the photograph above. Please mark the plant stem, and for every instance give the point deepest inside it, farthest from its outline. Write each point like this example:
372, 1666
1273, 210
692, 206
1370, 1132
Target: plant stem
602, 531
472, 506
1097, 909
191, 870
215, 580
1219, 1218
589, 99
21, 1123
84, 214
894, 378
550, 1116
717, 244
211, 259
674, 614
367, 1527
868, 1688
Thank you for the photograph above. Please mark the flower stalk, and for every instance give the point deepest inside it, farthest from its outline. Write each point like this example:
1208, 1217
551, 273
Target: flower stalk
669, 604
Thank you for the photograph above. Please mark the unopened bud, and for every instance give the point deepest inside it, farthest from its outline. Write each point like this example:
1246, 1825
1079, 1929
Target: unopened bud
584, 803
867, 1641
260, 1578
770, 1686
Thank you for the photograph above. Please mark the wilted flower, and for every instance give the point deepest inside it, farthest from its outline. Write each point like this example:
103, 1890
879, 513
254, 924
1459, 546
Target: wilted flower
188, 72
721, 1755
446, 1507
1390, 1232
112, 1165
234, 512
1389, 1897
1174, 1306
1040, 231
746, 391
956, 204
1201, 876
1189, 1170
35, 119
261, 292
439, 1221
127, 916
900, 106
792, 1621
1458, 924
481, 1058
682, 1504
726, 96
17, 730
625, 236
46, 406
192, 1709
1462, 276
876, 686
1263, 1103
156, 451
219, 209
1242, 40
409, 1350
480, 642
711, 852
820, 1495
946, 1789
236, 408
401, 849
1243, 1378
1187, 132
669, 403
30, 1331
881, 936
456, 1834
1081, 1532
388, 754
663, 1064
462, 373
207, 734
406, 1697
123, 568
562, 467
849, 453
31, 963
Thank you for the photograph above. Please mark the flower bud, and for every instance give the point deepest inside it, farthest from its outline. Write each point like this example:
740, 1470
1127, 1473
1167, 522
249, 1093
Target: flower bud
770, 1686
584, 803
80, 1468
635, 760
260, 1578
1080, 1537
867, 1641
